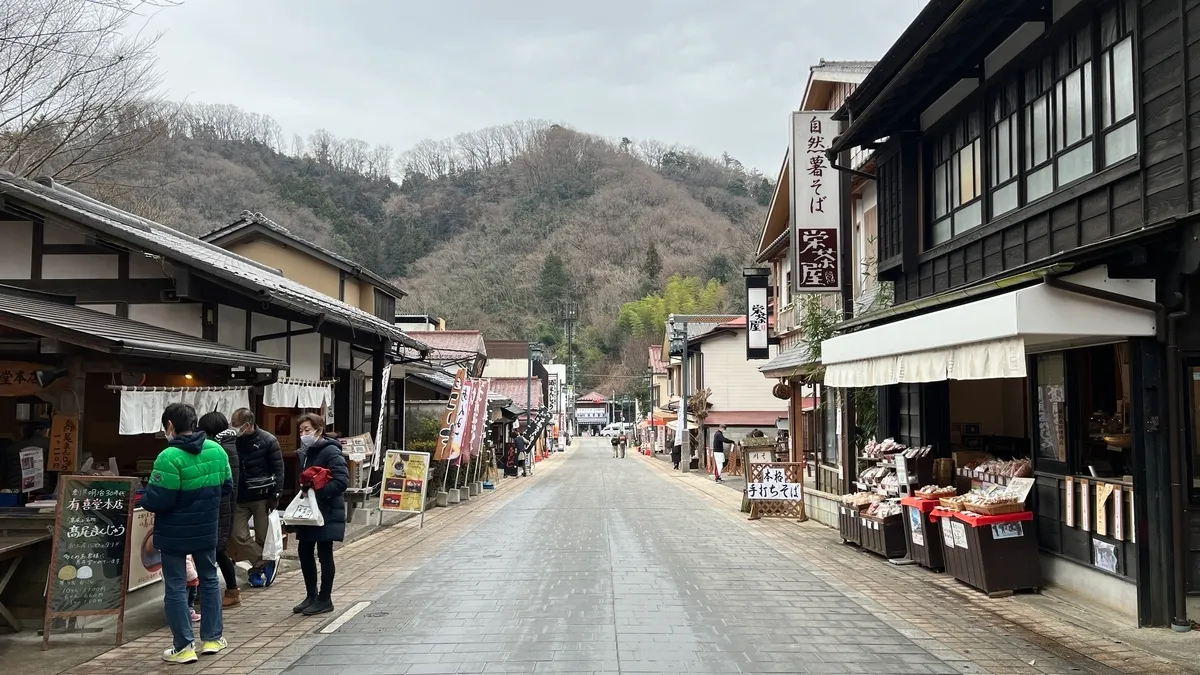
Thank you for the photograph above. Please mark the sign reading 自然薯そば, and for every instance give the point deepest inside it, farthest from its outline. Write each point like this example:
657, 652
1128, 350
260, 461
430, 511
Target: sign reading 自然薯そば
89, 560
816, 204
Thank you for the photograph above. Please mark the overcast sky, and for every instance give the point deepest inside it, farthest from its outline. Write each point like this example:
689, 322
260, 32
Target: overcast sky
717, 75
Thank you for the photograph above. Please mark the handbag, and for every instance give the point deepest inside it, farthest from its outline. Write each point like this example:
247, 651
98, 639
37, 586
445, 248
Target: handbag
304, 511
260, 488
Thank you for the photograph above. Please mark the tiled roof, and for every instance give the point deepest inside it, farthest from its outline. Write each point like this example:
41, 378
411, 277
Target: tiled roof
451, 345
250, 219
161, 240
657, 365
593, 397
102, 332
445, 381
517, 389
844, 66
788, 363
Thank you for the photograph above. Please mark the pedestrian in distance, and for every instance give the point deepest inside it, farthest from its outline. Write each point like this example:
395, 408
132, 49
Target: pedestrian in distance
259, 483
719, 443
522, 454
323, 452
623, 445
189, 479
616, 445
216, 426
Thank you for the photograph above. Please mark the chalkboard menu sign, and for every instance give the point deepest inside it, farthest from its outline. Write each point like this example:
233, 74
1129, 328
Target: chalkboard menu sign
89, 570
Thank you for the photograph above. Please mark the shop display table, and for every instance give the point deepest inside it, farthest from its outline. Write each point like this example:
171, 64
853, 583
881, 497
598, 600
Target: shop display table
884, 536
996, 554
849, 525
923, 533
12, 550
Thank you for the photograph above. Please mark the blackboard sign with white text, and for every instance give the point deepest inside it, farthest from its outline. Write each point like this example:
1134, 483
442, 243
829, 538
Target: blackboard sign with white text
89, 568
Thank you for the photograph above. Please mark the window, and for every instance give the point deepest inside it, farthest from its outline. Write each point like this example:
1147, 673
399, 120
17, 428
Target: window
908, 410
1063, 116
1002, 134
1116, 83
957, 179
385, 306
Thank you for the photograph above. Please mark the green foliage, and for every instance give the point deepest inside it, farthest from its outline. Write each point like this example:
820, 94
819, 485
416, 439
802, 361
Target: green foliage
424, 429
682, 295
719, 267
816, 323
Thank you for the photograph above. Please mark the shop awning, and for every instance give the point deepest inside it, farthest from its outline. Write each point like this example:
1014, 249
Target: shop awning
989, 338
52, 317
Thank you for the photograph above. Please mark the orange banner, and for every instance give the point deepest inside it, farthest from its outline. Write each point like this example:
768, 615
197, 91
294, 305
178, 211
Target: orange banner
450, 417
64, 444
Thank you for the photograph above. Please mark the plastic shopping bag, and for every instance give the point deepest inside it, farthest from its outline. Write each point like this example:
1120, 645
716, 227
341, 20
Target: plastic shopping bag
303, 511
273, 545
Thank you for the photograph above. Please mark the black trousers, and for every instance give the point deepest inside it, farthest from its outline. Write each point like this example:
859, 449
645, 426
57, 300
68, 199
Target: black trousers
309, 551
676, 455
228, 569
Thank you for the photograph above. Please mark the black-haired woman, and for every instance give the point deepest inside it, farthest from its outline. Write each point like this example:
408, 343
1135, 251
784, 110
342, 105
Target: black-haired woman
216, 426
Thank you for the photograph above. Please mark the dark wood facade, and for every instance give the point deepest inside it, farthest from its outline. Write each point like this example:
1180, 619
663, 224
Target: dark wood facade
1078, 143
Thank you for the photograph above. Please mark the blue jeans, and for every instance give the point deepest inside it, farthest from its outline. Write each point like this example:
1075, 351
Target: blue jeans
175, 597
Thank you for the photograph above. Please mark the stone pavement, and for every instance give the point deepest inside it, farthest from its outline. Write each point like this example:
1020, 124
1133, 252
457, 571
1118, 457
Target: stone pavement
602, 565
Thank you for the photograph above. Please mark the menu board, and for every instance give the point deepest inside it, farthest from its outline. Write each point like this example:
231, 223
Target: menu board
404, 478
93, 529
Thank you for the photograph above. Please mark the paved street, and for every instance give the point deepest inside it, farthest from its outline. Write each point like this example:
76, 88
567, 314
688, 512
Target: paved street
601, 565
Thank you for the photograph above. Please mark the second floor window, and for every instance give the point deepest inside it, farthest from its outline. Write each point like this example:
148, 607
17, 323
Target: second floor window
957, 179
1064, 115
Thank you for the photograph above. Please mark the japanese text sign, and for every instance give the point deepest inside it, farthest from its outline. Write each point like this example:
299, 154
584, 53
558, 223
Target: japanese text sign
64, 443
19, 379
404, 477
816, 203
89, 562
758, 339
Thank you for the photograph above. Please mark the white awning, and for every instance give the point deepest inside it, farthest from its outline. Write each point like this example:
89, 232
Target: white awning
989, 338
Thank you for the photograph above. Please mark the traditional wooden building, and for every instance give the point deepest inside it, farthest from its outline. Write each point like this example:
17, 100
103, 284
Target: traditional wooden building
1038, 199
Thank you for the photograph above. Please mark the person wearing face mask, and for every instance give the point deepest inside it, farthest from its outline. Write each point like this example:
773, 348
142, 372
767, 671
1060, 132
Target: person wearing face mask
259, 483
321, 451
189, 480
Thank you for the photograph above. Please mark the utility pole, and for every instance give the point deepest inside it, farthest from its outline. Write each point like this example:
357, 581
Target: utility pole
568, 311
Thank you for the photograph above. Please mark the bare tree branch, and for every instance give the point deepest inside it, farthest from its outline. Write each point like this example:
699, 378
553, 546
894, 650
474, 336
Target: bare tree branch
77, 86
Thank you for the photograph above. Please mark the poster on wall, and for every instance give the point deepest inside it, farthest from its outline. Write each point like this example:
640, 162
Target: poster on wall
281, 422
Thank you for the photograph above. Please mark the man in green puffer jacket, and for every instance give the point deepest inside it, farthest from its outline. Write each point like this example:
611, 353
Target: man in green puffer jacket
189, 479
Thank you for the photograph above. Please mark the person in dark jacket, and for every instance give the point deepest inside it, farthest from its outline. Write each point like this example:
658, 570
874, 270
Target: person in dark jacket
719, 443
319, 450
258, 489
187, 484
215, 426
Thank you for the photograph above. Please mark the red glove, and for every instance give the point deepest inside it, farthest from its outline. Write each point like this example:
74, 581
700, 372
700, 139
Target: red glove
315, 476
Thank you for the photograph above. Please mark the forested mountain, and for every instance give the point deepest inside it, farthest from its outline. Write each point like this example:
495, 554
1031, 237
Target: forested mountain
491, 229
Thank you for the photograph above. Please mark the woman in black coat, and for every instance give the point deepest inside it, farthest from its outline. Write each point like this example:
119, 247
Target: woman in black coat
215, 426
318, 450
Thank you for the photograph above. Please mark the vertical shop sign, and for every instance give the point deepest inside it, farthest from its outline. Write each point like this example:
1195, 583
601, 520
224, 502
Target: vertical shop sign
64, 443
816, 203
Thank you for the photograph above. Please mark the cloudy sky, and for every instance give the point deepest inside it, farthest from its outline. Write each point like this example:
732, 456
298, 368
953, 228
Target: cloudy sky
717, 75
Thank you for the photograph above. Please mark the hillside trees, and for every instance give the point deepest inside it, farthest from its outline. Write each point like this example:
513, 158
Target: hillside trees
76, 94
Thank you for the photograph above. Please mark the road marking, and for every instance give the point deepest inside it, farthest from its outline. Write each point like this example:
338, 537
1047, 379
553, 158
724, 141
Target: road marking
346, 616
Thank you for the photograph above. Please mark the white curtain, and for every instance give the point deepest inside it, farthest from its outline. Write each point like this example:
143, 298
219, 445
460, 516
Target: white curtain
141, 411
297, 394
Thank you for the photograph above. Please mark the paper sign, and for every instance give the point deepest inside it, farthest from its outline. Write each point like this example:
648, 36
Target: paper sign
947, 535
31, 469
1008, 530
1020, 488
960, 533
914, 526
1103, 490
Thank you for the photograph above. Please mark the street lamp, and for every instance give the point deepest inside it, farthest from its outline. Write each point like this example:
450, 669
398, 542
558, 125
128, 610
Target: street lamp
534, 352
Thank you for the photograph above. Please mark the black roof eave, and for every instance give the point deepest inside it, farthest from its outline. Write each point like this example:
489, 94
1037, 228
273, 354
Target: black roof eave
930, 61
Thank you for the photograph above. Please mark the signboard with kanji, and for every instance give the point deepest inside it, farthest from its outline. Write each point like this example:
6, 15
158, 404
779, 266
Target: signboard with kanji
19, 379
775, 489
816, 204
64, 443
89, 562
758, 338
